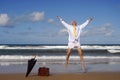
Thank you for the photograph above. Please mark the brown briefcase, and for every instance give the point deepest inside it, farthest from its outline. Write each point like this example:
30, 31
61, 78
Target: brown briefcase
43, 71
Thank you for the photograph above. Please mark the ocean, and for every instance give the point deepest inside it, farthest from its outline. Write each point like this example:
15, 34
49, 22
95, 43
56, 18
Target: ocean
98, 57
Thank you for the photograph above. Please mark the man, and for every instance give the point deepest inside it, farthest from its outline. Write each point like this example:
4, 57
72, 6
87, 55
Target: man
74, 32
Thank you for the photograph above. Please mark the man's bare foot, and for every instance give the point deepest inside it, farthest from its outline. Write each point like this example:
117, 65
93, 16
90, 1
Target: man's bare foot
83, 70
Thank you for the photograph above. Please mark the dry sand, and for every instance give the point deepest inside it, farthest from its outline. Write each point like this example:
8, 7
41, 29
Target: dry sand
65, 76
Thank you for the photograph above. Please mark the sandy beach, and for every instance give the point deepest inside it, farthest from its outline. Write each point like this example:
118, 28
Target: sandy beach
65, 76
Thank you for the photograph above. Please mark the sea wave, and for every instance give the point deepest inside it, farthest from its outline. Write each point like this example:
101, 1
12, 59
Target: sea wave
21, 57
114, 50
6, 60
58, 47
32, 47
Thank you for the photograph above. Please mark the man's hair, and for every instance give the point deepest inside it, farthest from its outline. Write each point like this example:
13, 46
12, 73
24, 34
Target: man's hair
74, 22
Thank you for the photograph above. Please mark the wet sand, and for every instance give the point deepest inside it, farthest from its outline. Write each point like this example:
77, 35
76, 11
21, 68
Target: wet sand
64, 76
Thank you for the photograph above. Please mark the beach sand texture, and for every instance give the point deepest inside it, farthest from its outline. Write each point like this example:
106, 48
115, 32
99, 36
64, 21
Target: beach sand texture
65, 76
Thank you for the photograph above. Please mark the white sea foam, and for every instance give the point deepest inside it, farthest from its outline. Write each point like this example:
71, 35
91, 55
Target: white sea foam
114, 50
85, 47
101, 47
6, 60
20, 57
33, 47
16, 57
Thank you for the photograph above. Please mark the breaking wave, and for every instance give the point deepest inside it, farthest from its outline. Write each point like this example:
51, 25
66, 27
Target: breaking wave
59, 47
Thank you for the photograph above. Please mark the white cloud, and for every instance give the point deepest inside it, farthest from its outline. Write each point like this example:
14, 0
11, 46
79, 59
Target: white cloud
104, 30
4, 20
63, 32
36, 16
30, 17
50, 20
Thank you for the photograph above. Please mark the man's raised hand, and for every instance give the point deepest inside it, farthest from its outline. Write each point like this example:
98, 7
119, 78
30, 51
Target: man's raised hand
91, 18
59, 17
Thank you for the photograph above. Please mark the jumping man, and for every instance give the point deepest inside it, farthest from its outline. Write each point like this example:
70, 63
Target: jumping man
74, 32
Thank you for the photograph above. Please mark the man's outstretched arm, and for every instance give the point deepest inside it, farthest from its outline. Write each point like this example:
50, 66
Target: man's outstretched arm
86, 22
63, 22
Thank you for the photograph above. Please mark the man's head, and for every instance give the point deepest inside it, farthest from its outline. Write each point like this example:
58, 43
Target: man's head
74, 23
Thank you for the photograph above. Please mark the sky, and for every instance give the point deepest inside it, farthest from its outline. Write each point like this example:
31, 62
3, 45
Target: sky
35, 22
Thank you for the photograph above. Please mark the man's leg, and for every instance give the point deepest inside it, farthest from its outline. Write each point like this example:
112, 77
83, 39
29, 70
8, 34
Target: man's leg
81, 58
67, 56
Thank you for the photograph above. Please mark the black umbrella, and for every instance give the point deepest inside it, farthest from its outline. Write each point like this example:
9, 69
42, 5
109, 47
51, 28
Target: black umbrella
31, 64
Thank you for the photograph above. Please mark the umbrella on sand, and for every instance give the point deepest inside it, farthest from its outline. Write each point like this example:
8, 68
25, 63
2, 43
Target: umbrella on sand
31, 63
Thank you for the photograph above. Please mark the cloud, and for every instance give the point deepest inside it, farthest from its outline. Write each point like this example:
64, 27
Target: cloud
4, 20
63, 32
36, 16
50, 20
104, 30
30, 17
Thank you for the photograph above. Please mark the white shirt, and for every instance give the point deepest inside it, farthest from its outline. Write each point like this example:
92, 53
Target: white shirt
78, 30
